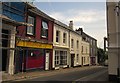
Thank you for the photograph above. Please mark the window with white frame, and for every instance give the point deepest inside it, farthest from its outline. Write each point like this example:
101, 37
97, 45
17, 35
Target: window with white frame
94, 42
44, 29
84, 60
63, 57
77, 44
91, 42
91, 51
57, 58
30, 29
82, 49
77, 60
57, 36
64, 38
72, 43
88, 59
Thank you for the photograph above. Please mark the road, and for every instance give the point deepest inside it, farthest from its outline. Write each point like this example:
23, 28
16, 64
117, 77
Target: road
94, 74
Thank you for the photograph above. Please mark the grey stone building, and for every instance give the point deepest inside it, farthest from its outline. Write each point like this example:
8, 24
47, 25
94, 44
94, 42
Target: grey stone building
93, 45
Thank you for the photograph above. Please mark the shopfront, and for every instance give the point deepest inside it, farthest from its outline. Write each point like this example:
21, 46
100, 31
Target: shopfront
33, 55
60, 58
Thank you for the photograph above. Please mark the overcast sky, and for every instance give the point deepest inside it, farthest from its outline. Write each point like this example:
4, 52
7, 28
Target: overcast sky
91, 16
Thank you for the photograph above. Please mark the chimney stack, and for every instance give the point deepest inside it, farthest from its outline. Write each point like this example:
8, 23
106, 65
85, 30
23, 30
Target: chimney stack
80, 30
71, 24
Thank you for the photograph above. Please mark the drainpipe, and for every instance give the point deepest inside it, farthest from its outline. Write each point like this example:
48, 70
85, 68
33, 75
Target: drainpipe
0, 41
117, 10
69, 51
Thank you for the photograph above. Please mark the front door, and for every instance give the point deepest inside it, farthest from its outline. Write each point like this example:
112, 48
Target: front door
82, 61
5, 38
47, 62
72, 60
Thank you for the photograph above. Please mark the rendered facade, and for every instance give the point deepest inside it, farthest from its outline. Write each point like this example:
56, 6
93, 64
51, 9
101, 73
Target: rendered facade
75, 47
92, 46
113, 33
60, 45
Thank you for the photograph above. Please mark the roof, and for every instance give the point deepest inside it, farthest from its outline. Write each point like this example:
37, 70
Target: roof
83, 33
61, 24
89, 36
40, 13
65, 26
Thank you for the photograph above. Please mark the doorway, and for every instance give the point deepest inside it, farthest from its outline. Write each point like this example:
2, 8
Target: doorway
82, 61
72, 60
47, 61
5, 38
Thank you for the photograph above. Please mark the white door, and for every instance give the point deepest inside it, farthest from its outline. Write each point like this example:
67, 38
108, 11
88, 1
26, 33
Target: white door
47, 62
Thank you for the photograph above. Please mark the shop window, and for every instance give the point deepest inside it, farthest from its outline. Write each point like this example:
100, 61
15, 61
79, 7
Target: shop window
63, 57
57, 58
30, 29
35, 53
60, 58
32, 54
44, 29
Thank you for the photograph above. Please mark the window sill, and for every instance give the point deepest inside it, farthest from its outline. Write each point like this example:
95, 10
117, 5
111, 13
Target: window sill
30, 34
57, 43
44, 37
64, 44
56, 68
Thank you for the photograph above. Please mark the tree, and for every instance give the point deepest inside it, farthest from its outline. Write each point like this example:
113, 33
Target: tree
102, 56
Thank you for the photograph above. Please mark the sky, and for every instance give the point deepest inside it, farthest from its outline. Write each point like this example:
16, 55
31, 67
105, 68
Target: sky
91, 16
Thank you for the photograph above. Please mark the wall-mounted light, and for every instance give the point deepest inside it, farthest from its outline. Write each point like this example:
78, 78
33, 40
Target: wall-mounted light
117, 9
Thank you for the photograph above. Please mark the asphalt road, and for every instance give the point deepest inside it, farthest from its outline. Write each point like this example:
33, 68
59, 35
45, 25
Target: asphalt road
96, 74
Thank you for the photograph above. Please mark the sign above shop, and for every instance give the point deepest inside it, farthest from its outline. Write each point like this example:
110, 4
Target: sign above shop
33, 44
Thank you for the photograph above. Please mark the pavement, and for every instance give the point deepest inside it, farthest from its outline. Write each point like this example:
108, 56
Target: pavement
35, 74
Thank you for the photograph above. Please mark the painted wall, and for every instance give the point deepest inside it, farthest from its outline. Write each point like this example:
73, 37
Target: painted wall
62, 30
85, 53
22, 31
60, 46
113, 29
75, 50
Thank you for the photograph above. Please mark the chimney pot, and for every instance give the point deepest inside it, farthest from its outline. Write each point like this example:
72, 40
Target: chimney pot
71, 24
